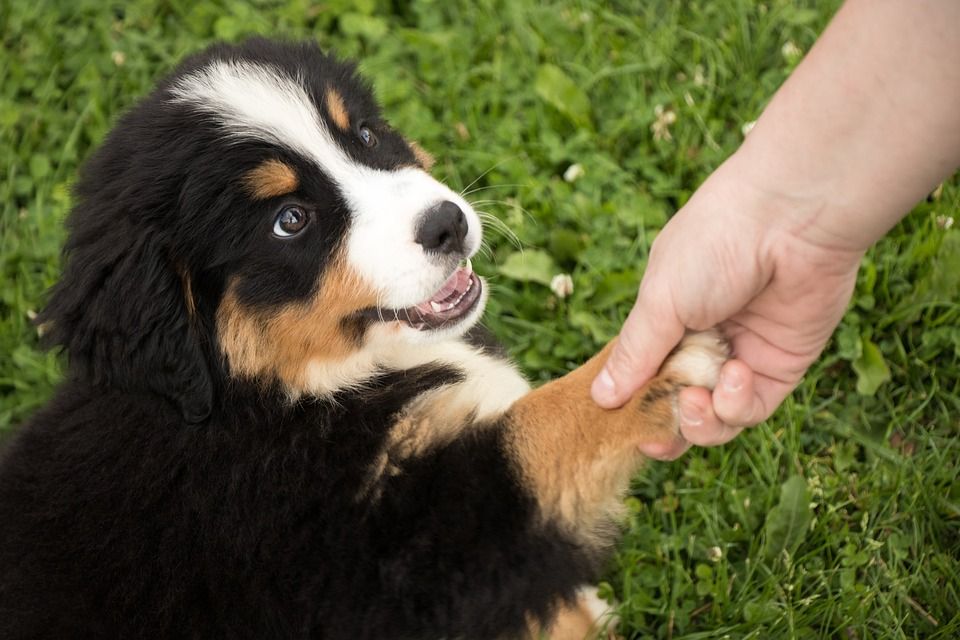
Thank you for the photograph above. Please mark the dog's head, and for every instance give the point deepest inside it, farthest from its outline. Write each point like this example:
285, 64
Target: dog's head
256, 217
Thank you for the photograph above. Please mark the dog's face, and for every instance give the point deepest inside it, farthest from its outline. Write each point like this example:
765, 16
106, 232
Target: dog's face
346, 243
307, 235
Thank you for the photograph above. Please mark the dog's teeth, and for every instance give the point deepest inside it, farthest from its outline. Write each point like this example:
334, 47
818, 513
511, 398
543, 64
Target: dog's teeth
436, 306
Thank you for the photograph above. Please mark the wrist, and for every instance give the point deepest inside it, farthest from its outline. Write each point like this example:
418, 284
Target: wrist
865, 126
824, 204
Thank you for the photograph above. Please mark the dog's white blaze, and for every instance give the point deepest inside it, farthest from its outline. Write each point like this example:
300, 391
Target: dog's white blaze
381, 244
262, 102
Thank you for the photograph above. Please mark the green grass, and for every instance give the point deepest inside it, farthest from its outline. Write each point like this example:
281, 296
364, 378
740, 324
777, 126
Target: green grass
838, 518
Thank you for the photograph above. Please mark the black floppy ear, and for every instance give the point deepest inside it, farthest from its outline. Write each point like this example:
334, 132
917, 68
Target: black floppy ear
121, 312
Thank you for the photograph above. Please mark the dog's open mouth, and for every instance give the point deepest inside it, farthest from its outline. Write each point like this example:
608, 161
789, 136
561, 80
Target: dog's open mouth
453, 301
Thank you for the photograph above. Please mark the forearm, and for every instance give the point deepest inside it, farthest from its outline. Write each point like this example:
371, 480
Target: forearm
866, 126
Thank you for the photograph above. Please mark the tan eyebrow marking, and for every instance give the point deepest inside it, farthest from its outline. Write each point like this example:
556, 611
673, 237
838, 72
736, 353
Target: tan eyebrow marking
337, 109
272, 178
424, 159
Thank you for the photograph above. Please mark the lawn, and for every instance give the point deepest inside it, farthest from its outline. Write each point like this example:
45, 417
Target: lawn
581, 126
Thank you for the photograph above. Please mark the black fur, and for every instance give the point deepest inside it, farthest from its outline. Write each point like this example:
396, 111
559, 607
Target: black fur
157, 497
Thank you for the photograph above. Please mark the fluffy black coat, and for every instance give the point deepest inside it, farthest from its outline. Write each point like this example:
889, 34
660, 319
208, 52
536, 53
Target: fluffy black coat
121, 521
156, 497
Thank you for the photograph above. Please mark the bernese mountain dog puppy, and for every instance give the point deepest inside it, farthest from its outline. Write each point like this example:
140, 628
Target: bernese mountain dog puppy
276, 422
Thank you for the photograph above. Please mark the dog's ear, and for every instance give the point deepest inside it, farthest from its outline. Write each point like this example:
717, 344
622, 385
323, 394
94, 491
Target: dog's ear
123, 312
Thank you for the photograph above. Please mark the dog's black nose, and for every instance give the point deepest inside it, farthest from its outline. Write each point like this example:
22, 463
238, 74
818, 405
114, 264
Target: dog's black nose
442, 229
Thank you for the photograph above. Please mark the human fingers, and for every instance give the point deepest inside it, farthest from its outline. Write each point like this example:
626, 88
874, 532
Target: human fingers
756, 382
650, 332
699, 423
737, 400
767, 395
741, 399
665, 450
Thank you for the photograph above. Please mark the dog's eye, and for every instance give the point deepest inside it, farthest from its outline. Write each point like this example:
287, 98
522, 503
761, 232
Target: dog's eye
290, 221
367, 136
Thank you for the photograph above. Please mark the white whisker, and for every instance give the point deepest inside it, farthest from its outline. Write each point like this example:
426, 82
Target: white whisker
380, 305
491, 186
479, 177
495, 223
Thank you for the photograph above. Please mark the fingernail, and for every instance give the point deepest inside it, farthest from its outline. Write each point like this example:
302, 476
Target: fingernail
731, 381
603, 386
690, 415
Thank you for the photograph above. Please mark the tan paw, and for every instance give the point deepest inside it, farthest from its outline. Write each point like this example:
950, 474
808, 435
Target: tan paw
697, 360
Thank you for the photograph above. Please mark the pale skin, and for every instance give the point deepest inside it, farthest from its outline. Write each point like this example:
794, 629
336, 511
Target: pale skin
769, 246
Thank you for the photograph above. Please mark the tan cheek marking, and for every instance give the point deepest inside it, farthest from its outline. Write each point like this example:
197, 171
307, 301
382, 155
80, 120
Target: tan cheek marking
424, 159
281, 343
242, 338
271, 179
577, 457
337, 110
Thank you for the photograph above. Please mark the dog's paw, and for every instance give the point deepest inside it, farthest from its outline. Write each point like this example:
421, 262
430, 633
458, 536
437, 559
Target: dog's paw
697, 360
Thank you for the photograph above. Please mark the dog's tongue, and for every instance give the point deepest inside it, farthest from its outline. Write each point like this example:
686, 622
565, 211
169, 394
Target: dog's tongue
455, 298
449, 292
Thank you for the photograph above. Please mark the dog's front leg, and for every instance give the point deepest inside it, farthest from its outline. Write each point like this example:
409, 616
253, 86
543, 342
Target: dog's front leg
578, 457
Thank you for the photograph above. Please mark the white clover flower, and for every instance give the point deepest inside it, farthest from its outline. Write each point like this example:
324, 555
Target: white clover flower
561, 285
118, 58
699, 79
944, 222
573, 172
714, 554
661, 126
791, 52
747, 127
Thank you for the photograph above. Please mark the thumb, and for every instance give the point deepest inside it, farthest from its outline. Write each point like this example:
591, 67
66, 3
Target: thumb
649, 334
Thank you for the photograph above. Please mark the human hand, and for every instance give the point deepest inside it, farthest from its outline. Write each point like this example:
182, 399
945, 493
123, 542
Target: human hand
759, 267
768, 247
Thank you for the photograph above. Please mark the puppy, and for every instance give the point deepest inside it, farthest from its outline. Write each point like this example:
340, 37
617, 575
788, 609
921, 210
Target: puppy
276, 423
